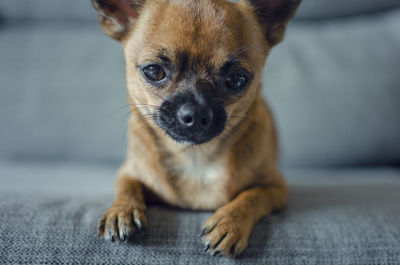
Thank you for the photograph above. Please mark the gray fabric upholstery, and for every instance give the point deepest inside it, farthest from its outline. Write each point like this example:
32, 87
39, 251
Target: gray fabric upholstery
62, 86
328, 9
334, 217
81, 9
335, 91
47, 10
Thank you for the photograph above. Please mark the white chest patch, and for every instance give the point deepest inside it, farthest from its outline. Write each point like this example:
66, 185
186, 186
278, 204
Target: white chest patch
199, 181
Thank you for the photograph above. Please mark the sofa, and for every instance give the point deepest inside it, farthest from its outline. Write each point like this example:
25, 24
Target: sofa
333, 86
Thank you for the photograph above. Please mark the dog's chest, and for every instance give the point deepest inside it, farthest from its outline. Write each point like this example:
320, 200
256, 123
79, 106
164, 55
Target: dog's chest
199, 181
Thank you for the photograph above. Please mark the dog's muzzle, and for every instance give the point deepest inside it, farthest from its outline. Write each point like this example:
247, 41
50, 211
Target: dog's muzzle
191, 118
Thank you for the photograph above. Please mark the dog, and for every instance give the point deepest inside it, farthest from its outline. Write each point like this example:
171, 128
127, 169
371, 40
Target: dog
206, 140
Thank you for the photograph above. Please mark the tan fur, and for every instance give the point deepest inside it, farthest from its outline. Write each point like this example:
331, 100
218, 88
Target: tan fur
235, 173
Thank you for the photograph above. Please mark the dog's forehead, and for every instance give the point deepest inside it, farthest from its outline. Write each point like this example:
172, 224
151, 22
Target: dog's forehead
194, 28
200, 10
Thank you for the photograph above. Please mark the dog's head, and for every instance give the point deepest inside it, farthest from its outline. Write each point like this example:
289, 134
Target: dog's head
195, 65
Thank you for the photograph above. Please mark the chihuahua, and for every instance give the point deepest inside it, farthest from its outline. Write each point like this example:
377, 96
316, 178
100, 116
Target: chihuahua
206, 139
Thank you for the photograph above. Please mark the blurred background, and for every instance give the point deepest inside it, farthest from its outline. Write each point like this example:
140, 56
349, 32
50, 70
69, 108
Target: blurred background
334, 88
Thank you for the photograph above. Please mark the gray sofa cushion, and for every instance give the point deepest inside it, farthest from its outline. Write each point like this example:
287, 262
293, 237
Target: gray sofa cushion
47, 10
334, 217
82, 10
333, 87
325, 9
335, 91
61, 89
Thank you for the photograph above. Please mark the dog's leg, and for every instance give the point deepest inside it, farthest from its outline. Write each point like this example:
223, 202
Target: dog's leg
227, 231
127, 214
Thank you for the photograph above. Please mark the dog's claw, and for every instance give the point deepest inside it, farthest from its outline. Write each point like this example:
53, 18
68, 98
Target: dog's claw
203, 232
138, 224
208, 245
216, 253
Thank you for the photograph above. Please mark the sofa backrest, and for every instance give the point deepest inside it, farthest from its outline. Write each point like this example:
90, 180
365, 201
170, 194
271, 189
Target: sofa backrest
81, 9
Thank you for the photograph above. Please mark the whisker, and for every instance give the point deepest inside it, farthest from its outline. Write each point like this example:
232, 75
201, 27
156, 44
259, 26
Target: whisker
139, 120
153, 92
247, 119
136, 107
232, 128
243, 49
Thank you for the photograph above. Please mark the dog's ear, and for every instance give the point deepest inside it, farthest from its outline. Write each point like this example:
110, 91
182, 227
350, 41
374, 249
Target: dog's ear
273, 16
116, 17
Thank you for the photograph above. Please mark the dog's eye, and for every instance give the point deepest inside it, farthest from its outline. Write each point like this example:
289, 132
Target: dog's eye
154, 73
236, 82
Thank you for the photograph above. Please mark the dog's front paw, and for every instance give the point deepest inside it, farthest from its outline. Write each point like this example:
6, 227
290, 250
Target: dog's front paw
121, 222
226, 233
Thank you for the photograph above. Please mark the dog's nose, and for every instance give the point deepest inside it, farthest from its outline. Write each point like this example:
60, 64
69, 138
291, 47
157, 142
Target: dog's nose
190, 115
187, 114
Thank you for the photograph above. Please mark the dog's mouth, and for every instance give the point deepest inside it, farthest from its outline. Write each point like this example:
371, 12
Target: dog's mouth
186, 120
